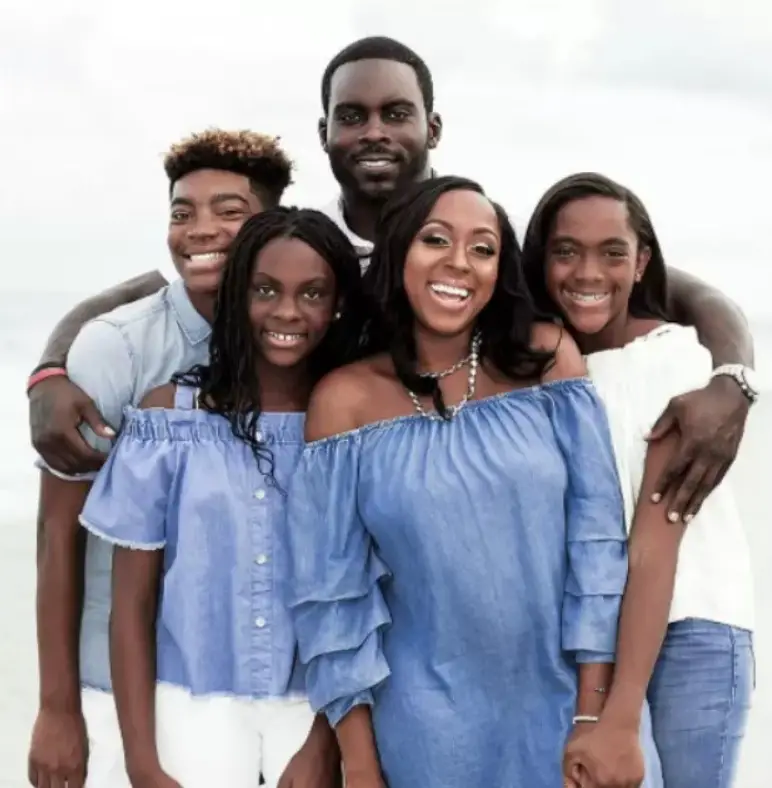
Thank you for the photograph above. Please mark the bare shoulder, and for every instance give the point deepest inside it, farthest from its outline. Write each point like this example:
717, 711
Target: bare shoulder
160, 397
339, 400
568, 361
546, 336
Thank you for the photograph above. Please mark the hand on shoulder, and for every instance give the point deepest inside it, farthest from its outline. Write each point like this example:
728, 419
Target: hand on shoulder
568, 361
337, 401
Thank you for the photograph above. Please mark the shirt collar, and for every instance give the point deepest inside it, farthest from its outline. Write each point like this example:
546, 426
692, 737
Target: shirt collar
363, 248
193, 325
334, 210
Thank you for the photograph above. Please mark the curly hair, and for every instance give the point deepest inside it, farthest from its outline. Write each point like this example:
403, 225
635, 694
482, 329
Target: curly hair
257, 156
228, 384
505, 323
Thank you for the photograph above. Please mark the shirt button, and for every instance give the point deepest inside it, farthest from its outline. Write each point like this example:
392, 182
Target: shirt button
259, 494
260, 622
259, 437
261, 559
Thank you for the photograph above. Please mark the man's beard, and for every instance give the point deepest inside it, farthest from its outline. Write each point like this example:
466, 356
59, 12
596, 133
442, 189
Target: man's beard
371, 189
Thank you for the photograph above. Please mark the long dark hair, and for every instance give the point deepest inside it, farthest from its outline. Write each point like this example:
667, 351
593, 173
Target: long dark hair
505, 322
649, 296
228, 383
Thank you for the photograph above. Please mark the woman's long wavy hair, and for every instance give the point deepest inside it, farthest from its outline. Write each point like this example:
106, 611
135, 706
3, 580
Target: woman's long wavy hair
505, 323
649, 296
229, 384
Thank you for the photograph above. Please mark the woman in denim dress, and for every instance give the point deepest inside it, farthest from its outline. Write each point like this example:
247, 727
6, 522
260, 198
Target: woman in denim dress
456, 526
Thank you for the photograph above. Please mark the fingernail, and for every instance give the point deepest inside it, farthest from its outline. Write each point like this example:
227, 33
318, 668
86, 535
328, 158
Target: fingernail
688, 518
673, 517
109, 431
656, 497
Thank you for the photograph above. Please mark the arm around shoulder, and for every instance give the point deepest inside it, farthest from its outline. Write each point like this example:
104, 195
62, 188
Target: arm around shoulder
720, 323
67, 329
74, 419
336, 403
101, 364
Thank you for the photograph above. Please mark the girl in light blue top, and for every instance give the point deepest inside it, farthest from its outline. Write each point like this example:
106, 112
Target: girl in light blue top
456, 527
194, 494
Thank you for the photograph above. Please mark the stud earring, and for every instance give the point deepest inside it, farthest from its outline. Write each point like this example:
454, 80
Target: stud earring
336, 316
638, 276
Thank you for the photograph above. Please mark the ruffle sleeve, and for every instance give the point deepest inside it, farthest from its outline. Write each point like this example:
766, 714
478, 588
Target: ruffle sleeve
128, 501
596, 535
335, 598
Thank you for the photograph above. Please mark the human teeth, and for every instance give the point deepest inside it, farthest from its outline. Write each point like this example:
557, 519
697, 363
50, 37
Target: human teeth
587, 298
209, 257
284, 337
374, 164
456, 292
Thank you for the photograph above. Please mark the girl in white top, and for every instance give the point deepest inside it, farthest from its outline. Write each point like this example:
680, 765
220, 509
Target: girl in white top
592, 257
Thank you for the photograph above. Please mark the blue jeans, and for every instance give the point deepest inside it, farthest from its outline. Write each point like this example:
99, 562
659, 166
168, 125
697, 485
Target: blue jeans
700, 695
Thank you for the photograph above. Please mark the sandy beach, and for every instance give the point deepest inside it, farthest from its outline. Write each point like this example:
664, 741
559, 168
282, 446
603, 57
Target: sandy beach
17, 587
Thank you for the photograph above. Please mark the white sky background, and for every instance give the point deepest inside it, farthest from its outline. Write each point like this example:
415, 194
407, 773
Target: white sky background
672, 97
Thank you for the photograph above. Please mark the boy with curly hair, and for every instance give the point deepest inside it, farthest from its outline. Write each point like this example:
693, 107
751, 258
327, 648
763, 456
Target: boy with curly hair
217, 180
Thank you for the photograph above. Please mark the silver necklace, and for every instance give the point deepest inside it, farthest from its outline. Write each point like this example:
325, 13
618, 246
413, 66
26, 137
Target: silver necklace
473, 360
449, 371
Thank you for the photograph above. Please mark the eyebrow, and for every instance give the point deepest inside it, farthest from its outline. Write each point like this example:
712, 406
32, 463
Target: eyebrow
571, 239
449, 226
316, 280
216, 200
394, 102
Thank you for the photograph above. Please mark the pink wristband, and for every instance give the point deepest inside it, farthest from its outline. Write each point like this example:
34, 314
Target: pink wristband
43, 374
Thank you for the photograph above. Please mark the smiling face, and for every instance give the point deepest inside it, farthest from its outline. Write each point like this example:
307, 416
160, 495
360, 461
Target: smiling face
291, 301
377, 133
593, 262
207, 210
452, 265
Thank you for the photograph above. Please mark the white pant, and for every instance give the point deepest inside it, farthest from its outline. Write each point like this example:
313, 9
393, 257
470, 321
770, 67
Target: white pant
202, 742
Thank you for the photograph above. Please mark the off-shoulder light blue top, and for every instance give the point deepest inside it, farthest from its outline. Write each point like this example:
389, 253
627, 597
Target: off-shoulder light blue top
452, 575
179, 480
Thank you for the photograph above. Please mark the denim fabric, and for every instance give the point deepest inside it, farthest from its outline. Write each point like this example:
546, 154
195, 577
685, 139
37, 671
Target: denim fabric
700, 696
452, 574
222, 624
116, 359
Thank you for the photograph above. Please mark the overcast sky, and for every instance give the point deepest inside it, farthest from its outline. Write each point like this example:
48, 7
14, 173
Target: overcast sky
672, 97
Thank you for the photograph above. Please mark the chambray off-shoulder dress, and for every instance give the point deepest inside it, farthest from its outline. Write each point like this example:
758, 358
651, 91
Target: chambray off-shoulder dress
452, 575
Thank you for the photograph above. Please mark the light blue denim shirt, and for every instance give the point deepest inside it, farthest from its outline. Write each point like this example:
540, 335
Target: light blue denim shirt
116, 359
222, 626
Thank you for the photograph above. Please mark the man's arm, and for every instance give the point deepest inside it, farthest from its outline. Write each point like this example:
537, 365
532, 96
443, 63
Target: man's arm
65, 331
710, 421
73, 436
720, 323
